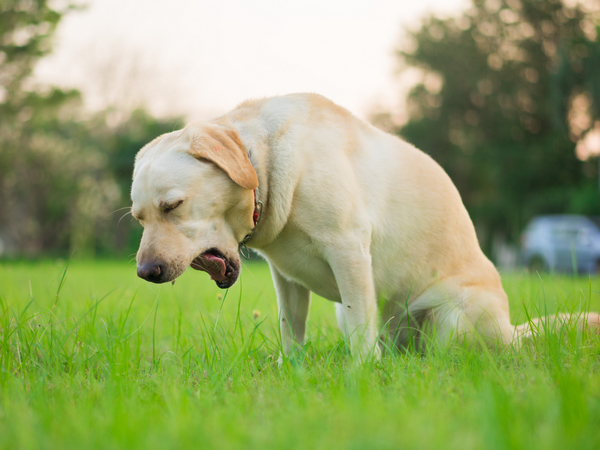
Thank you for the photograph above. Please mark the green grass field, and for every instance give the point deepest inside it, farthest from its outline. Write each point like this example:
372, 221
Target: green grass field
92, 357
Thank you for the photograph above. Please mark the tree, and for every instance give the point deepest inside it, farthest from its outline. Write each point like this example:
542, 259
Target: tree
62, 173
496, 103
25, 30
27, 126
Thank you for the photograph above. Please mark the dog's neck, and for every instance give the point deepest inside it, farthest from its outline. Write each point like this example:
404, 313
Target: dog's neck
271, 167
261, 197
256, 216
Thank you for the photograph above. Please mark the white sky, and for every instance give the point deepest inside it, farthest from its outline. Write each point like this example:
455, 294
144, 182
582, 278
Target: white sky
201, 58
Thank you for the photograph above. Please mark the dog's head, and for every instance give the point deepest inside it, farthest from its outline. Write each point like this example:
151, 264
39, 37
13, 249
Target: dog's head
192, 192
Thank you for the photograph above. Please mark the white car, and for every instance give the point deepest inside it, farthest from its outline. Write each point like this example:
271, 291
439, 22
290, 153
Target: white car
562, 243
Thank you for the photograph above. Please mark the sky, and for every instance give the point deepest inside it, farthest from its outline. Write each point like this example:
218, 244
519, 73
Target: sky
201, 58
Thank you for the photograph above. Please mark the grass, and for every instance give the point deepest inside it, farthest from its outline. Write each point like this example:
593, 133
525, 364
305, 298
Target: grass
92, 357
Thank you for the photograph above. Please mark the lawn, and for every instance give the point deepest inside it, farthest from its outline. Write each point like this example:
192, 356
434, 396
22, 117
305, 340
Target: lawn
92, 357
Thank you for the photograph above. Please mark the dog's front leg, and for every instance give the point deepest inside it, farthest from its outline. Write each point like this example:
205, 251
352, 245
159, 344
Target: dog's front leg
351, 265
293, 302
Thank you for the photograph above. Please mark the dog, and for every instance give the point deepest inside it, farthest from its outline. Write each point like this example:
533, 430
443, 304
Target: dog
337, 207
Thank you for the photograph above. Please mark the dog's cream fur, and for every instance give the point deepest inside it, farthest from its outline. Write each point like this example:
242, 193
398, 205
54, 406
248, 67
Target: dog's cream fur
351, 213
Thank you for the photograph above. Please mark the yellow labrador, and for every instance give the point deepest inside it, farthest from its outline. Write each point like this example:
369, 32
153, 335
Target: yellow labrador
349, 212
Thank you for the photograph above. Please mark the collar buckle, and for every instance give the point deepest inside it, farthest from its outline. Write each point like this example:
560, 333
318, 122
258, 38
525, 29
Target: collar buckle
256, 216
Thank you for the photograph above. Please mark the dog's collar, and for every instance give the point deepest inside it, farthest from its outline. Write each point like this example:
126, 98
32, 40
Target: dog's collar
256, 215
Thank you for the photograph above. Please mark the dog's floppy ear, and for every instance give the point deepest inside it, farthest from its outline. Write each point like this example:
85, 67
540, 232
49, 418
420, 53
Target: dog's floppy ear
222, 146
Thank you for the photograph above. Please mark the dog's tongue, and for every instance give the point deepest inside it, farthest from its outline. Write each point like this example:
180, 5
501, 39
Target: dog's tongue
212, 264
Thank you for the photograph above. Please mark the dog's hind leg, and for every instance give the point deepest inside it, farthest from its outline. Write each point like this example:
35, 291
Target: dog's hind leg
470, 314
448, 313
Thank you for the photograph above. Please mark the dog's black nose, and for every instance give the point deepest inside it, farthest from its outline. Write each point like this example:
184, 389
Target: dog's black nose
150, 272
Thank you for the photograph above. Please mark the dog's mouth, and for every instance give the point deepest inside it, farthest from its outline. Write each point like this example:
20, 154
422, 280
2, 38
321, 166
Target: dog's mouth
222, 271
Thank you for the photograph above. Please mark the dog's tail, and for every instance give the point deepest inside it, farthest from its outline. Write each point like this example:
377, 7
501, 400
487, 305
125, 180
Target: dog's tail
588, 322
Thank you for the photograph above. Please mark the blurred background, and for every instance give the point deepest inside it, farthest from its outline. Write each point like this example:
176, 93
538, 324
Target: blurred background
504, 94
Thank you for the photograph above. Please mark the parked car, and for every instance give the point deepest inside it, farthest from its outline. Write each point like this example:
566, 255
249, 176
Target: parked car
562, 243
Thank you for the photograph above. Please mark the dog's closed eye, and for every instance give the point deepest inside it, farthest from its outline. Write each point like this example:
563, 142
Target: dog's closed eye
171, 206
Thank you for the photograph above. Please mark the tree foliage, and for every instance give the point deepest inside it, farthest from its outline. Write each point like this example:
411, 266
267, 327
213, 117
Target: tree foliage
496, 107
63, 172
